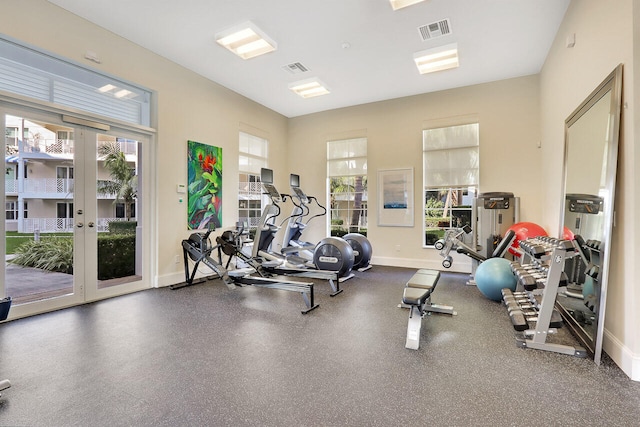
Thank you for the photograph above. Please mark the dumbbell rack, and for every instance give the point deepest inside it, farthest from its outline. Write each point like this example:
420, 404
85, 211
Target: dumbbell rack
542, 259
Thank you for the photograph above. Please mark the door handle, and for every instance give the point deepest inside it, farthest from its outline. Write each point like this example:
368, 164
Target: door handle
80, 225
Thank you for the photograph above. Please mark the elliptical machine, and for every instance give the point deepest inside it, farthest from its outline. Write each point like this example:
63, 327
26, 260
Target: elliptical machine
292, 243
330, 254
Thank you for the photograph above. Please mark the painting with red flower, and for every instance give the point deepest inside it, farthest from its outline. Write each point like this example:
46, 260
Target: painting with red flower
204, 204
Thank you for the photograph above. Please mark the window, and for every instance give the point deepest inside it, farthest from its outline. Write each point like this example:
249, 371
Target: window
253, 155
38, 75
450, 170
11, 210
120, 212
347, 172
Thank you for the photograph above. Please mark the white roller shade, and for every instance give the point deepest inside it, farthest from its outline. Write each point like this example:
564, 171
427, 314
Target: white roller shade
451, 156
253, 153
347, 157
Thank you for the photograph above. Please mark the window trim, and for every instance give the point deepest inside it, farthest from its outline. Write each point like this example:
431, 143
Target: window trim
471, 188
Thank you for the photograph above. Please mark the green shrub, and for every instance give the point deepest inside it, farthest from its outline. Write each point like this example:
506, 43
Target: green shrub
55, 254
116, 256
122, 227
339, 232
431, 238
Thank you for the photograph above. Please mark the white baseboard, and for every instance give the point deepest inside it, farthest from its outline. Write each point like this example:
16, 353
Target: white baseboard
178, 277
622, 355
169, 279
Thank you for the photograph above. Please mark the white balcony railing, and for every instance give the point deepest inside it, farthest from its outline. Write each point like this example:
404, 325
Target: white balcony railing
11, 186
59, 225
47, 225
250, 187
48, 186
61, 188
61, 146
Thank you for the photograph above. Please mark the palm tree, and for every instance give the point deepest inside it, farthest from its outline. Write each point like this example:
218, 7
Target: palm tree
356, 185
123, 183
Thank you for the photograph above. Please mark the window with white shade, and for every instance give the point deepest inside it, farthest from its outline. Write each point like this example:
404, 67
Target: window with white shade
347, 173
253, 155
451, 165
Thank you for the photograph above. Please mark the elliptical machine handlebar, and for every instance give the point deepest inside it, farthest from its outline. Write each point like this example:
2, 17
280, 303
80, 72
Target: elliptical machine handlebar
275, 204
324, 210
298, 204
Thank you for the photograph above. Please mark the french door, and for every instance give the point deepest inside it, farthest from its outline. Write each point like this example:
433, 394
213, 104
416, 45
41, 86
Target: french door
66, 242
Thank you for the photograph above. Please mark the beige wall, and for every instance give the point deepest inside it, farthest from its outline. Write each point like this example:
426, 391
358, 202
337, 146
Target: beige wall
604, 38
508, 113
189, 108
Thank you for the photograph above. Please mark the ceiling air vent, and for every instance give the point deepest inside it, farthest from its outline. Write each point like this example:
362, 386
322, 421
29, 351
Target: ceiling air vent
295, 68
435, 29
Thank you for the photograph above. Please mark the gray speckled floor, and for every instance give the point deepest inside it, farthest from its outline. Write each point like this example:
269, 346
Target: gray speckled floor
206, 355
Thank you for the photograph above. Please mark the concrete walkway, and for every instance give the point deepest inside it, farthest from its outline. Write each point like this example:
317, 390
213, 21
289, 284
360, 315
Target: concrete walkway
24, 284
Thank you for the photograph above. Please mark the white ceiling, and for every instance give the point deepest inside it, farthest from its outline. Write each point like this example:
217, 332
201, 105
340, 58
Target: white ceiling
497, 39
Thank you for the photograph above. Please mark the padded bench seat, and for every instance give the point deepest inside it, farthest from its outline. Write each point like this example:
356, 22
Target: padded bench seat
417, 298
419, 287
425, 279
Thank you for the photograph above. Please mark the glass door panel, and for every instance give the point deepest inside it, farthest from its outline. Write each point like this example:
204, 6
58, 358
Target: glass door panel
38, 227
73, 229
118, 201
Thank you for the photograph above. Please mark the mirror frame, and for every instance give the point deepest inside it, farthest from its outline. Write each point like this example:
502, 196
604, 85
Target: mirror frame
612, 83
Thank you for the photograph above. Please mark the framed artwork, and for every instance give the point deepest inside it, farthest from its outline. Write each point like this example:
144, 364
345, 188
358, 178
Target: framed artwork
395, 197
204, 190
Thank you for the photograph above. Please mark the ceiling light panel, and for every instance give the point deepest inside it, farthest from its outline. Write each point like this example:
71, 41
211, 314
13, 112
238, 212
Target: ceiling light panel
309, 88
246, 40
399, 4
437, 59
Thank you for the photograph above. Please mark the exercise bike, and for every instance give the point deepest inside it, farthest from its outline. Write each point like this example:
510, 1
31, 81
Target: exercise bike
292, 243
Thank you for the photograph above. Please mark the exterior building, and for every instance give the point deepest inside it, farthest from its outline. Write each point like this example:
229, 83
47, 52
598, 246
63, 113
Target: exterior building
39, 183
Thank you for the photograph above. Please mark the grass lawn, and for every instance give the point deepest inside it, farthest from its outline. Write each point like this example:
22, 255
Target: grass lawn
15, 239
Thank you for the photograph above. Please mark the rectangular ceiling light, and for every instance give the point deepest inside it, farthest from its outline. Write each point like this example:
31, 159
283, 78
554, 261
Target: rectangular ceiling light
437, 59
246, 41
309, 88
399, 4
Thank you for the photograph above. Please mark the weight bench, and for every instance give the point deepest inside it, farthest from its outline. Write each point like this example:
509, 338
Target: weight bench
417, 298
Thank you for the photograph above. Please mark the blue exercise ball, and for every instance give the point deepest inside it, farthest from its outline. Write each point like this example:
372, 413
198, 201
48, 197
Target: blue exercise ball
587, 287
493, 275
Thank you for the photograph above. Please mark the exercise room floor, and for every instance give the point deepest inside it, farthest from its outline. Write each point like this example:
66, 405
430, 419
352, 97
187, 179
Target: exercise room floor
207, 355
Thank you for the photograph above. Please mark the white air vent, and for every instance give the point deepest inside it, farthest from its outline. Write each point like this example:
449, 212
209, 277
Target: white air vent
295, 68
435, 29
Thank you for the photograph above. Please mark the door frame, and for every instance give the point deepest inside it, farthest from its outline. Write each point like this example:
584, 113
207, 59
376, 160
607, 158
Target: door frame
46, 112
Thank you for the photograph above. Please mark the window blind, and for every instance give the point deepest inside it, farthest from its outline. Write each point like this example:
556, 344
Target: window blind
451, 156
38, 75
347, 157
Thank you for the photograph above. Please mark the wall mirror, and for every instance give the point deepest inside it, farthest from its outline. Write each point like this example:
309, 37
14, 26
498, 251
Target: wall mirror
590, 161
